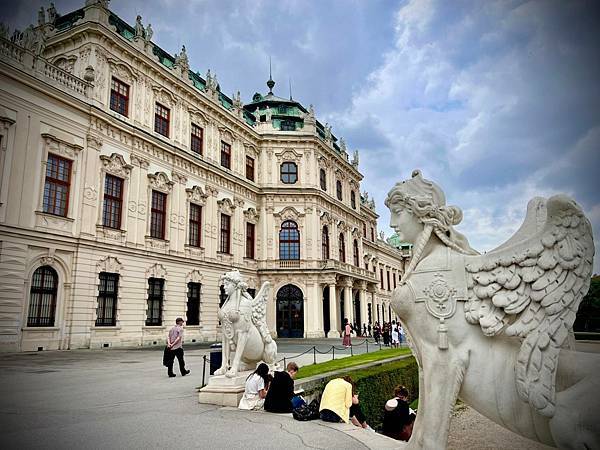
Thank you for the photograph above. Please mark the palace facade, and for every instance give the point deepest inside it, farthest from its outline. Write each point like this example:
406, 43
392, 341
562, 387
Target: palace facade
130, 184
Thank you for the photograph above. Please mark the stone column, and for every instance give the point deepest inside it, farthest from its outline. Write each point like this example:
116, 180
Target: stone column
334, 326
348, 307
211, 223
315, 309
362, 292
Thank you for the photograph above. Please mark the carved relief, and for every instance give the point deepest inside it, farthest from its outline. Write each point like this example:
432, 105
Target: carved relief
194, 277
288, 213
226, 135
211, 190
226, 206
251, 215
197, 117
109, 264
94, 142
156, 271
116, 165
122, 71
66, 63
238, 201
288, 156
56, 145
164, 97
196, 195
160, 182
179, 177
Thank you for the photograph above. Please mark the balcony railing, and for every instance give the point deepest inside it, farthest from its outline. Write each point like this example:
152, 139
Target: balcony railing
42, 69
329, 264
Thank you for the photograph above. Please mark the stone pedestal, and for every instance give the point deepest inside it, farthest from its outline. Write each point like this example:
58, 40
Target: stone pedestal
224, 391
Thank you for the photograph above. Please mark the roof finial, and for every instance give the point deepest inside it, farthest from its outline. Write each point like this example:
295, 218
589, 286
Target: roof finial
290, 88
270, 83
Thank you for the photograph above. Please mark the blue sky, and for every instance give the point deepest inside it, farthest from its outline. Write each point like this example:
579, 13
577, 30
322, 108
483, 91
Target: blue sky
497, 101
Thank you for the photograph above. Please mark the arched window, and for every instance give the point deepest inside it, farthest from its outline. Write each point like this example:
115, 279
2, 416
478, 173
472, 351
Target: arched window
325, 243
42, 299
289, 172
342, 248
338, 190
355, 252
323, 179
353, 199
289, 240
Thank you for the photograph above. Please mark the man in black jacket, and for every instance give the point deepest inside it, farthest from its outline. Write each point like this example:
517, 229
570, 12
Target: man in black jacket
281, 391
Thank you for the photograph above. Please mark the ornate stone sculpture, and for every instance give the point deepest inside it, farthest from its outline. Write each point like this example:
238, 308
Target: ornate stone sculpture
493, 329
139, 28
246, 338
149, 32
52, 14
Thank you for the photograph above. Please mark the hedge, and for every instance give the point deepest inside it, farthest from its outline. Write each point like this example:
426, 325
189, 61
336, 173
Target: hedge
375, 386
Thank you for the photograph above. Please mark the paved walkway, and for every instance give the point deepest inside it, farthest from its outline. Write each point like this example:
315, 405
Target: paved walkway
123, 399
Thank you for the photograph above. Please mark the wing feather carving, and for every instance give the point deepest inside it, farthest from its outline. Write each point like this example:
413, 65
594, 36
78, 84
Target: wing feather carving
531, 288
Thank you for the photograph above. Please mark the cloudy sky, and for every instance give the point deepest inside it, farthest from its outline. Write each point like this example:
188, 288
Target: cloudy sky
497, 101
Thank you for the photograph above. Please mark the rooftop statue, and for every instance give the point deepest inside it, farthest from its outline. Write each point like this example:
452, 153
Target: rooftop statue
139, 27
246, 337
495, 330
149, 32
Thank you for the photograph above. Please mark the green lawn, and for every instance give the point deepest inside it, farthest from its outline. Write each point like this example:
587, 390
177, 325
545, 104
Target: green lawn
350, 361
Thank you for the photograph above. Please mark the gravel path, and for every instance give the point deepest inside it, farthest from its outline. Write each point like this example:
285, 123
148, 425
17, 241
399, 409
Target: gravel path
470, 430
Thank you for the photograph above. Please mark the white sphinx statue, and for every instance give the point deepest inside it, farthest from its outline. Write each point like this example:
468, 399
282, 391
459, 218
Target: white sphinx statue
246, 338
495, 330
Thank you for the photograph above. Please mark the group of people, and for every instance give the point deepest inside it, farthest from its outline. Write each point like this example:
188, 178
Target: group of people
273, 393
392, 333
339, 401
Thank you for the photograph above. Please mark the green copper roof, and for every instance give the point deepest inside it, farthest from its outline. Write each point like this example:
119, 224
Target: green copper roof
394, 241
65, 22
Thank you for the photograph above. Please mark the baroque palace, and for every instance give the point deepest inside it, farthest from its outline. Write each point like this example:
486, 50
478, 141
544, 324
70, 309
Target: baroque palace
130, 184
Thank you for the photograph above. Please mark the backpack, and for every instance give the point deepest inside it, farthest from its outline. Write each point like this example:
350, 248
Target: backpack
307, 412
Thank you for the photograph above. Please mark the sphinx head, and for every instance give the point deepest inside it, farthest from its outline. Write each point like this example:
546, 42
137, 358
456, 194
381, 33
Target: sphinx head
418, 203
233, 281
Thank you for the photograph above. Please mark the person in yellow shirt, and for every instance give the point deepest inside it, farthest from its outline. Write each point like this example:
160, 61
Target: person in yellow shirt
339, 403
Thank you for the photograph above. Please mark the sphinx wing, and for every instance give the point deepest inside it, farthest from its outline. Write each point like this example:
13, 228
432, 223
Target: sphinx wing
532, 290
259, 310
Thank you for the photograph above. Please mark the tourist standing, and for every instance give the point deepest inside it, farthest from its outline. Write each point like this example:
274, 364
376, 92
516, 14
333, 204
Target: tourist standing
369, 329
346, 341
281, 391
175, 349
395, 336
377, 332
386, 333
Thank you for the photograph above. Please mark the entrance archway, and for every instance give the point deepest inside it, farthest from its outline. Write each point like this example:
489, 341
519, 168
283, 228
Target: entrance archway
290, 312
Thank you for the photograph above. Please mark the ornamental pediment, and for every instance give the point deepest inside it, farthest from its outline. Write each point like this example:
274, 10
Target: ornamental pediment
289, 155
288, 213
226, 206
226, 135
163, 96
156, 271
115, 165
160, 182
195, 194
197, 117
122, 70
251, 215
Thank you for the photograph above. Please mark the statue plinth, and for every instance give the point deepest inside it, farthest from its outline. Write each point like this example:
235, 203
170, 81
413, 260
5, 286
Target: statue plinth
224, 391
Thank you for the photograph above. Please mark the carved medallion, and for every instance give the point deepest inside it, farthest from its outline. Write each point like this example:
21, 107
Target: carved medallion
441, 298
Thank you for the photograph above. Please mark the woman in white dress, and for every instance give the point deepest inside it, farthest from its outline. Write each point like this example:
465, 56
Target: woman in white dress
395, 334
257, 385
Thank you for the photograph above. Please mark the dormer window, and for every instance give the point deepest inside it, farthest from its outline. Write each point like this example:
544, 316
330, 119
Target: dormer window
288, 125
282, 109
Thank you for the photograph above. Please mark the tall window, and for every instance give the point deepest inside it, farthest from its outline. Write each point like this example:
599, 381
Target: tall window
250, 240
325, 243
342, 248
381, 277
195, 225
156, 288
388, 281
57, 186
289, 172
106, 312
353, 199
338, 190
394, 278
364, 230
225, 241
197, 139
323, 179
225, 155
119, 97
250, 168
193, 304
42, 300
372, 234
355, 252
161, 119
158, 215
113, 201
289, 240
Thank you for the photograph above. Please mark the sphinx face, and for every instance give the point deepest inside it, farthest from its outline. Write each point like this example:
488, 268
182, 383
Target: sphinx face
406, 224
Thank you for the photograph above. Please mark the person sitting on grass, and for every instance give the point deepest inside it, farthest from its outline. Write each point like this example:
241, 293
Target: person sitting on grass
280, 393
339, 403
257, 385
398, 418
